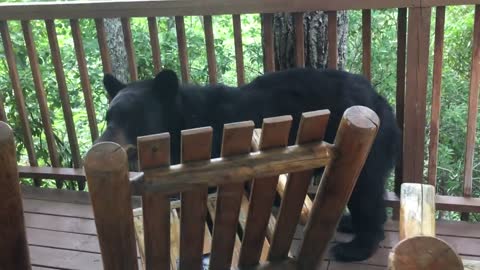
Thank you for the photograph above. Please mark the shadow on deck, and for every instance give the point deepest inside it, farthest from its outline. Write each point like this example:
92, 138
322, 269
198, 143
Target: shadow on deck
61, 234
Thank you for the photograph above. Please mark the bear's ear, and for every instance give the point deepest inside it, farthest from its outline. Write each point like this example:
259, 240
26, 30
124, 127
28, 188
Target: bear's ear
166, 84
112, 85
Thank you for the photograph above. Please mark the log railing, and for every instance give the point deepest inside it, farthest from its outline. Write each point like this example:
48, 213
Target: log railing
412, 67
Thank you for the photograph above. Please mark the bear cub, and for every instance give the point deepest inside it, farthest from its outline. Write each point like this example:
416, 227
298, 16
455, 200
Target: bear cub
163, 105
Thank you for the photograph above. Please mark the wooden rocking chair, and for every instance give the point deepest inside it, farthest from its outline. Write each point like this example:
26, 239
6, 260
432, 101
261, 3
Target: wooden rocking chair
107, 176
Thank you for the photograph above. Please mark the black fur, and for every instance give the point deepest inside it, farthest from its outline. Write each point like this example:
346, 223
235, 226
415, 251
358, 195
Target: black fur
161, 105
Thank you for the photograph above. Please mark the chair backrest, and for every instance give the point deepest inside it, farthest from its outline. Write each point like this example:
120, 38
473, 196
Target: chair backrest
107, 175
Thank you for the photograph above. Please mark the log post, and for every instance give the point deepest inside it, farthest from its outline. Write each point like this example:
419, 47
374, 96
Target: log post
353, 141
418, 247
13, 244
106, 170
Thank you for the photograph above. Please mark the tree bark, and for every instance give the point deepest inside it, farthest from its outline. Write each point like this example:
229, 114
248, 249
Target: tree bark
316, 39
116, 49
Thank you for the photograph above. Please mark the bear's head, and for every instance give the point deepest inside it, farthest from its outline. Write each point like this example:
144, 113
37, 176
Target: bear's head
140, 108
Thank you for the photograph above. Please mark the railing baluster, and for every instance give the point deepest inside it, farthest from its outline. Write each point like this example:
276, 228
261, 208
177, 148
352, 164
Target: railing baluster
299, 40
268, 48
19, 97
436, 89
332, 40
102, 44
64, 96
127, 36
82, 66
212, 64
472, 109
3, 115
153, 30
41, 96
182, 47
400, 93
237, 36
367, 43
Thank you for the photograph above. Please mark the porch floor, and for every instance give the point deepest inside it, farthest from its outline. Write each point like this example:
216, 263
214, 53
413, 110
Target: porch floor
61, 234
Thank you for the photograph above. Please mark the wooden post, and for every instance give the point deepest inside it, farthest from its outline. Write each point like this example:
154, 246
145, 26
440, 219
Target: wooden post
417, 210
106, 170
13, 244
418, 247
353, 141
416, 93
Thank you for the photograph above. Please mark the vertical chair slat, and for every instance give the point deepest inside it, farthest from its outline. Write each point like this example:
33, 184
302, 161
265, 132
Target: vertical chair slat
127, 35
13, 246
472, 109
332, 39
63, 92
41, 96
436, 90
367, 43
307, 204
212, 63
268, 48
19, 97
85, 81
106, 170
154, 151
196, 145
416, 93
236, 140
153, 31
102, 44
237, 36
353, 141
275, 132
299, 40
312, 128
211, 206
400, 92
182, 47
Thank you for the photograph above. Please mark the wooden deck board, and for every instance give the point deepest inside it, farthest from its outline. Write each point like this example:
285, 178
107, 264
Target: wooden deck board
61, 224
62, 240
61, 234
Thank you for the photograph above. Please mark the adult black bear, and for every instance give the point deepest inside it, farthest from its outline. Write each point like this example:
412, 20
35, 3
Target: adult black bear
162, 105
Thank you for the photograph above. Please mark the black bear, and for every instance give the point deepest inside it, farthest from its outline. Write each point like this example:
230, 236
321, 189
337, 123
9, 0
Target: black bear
162, 105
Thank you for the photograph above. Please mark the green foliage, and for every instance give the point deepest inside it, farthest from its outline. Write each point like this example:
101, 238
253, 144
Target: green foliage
454, 91
455, 76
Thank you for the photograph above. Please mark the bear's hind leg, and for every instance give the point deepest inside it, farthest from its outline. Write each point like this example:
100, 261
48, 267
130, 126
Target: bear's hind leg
368, 215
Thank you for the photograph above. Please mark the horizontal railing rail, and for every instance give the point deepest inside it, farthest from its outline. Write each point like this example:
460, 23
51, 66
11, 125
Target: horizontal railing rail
134, 8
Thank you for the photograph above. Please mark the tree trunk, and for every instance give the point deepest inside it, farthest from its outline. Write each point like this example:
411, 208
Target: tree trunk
116, 49
316, 39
